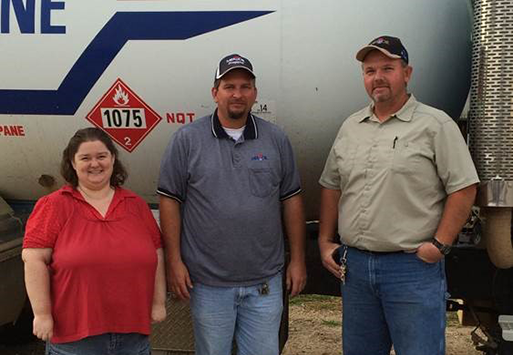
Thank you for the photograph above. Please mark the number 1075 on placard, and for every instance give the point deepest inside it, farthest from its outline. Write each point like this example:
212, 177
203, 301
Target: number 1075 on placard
123, 118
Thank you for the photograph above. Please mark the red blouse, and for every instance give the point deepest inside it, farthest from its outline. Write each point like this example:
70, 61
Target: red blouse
102, 273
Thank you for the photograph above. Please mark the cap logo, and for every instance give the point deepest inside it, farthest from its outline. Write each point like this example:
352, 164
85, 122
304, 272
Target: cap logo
235, 61
381, 41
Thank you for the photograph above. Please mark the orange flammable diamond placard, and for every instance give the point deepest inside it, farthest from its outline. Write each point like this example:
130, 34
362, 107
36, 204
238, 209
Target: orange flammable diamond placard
124, 116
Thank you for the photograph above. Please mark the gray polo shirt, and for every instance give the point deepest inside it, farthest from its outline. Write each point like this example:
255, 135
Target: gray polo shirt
230, 194
395, 176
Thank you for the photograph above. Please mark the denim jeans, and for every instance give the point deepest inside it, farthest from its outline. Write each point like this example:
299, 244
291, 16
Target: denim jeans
394, 299
221, 313
104, 344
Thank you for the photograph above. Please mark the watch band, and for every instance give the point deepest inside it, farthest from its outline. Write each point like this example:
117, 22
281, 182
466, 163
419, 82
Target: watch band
443, 248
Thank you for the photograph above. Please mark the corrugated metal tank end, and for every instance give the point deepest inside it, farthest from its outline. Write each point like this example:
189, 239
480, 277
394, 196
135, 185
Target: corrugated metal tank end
491, 124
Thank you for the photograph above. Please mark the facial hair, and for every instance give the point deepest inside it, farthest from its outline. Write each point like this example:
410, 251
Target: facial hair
236, 115
384, 96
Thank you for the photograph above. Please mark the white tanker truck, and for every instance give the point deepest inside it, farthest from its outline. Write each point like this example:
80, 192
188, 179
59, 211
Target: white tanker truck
140, 69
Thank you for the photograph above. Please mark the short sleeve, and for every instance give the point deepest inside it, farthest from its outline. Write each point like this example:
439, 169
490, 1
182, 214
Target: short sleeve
330, 177
290, 184
453, 161
173, 169
151, 224
44, 224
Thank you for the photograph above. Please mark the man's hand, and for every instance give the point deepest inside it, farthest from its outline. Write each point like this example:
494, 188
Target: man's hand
179, 281
296, 277
327, 249
327, 226
43, 327
428, 253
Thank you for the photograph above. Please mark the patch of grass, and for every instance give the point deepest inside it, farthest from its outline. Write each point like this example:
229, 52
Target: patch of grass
301, 299
316, 302
452, 319
332, 323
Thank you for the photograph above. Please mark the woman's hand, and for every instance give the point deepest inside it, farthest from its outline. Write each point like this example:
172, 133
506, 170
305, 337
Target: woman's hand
37, 281
43, 327
158, 313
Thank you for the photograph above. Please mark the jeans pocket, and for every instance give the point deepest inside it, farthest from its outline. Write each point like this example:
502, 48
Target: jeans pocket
423, 261
52, 349
146, 351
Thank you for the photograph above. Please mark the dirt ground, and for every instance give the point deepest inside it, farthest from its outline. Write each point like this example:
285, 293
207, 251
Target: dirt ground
315, 329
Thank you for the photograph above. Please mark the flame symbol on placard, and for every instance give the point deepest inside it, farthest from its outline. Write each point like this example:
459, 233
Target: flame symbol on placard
121, 97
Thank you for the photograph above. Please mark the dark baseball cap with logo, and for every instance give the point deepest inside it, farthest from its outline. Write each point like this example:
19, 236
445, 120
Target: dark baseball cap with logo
388, 45
233, 61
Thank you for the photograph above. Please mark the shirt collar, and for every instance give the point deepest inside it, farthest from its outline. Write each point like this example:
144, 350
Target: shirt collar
120, 193
404, 114
250, 132
72, 191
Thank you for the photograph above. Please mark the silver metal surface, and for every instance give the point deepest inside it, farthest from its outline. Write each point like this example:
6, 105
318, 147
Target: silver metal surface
495, 193
491, 123
174, 335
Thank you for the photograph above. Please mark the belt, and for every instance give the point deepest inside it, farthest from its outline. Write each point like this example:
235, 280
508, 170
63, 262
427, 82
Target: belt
379, 252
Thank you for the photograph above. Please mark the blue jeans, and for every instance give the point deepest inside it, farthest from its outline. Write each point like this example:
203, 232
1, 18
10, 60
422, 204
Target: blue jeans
104, 344
221, 313
393, 299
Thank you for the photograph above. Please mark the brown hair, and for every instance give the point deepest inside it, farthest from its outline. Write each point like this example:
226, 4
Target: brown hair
119, 174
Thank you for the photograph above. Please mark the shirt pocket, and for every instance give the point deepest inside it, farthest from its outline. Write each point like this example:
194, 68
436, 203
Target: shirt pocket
262, 182
406, 157
345, 153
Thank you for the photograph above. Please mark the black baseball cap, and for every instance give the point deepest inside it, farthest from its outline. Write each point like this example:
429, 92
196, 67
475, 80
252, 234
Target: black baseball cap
233, 61
388, 45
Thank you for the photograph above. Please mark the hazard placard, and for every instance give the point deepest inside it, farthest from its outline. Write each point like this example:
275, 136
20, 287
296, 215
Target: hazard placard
125, 117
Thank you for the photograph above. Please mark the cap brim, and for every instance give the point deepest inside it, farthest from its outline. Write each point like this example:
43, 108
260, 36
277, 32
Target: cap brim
362, 53
220, 75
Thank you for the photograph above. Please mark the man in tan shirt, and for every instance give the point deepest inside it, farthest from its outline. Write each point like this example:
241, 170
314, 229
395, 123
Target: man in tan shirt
400, 182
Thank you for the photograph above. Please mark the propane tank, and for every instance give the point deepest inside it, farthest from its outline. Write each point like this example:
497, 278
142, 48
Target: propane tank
78, 64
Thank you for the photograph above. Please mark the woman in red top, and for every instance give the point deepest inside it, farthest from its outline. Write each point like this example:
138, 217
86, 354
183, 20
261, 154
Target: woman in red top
93, 257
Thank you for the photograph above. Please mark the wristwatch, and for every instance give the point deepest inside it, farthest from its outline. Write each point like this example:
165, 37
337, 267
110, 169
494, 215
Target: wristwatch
443, 248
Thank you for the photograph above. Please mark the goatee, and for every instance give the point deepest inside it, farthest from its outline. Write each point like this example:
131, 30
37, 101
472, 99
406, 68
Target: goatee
236, 115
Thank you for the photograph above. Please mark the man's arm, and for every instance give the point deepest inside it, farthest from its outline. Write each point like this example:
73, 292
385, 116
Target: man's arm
294, 220
178, 278
456, 212
327, 227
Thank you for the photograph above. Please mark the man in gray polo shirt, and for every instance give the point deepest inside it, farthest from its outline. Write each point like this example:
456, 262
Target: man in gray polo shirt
400, 182
226, 181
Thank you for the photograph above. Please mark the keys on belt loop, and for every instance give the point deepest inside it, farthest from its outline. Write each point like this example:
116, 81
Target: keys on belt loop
264, 289
343, 266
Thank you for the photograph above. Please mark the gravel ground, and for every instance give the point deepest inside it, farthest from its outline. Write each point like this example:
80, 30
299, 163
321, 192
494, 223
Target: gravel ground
315, 329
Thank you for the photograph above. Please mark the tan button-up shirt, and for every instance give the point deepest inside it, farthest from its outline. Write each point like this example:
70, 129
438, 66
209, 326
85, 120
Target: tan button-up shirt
395, 176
